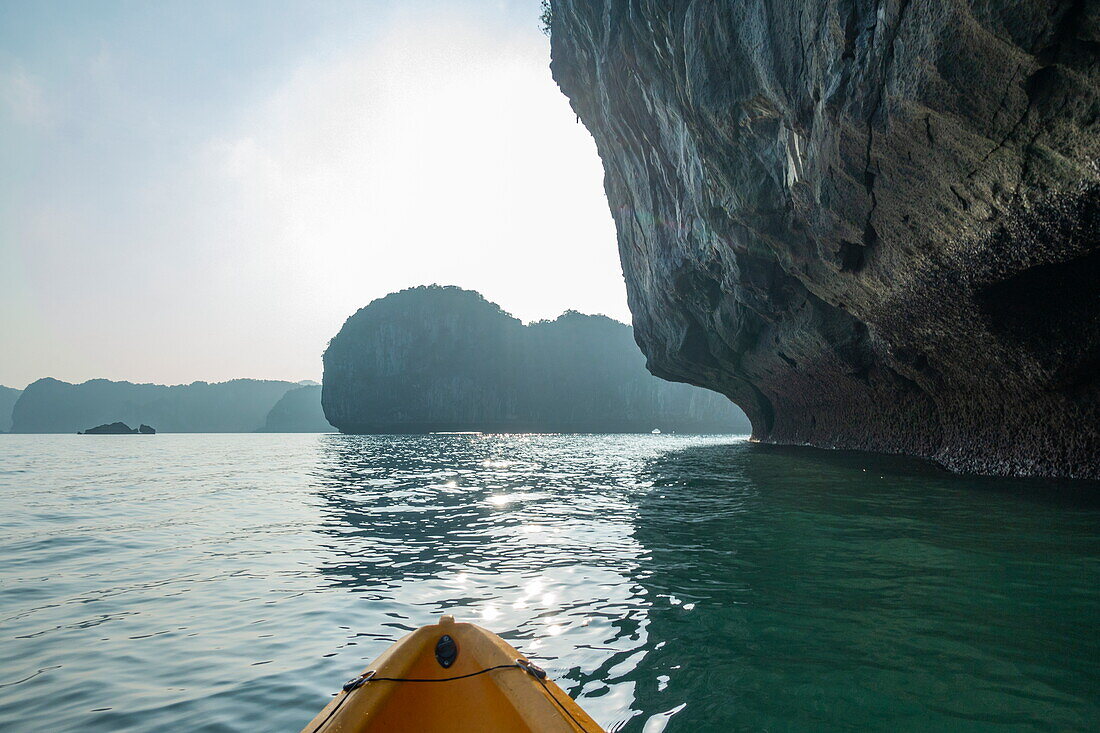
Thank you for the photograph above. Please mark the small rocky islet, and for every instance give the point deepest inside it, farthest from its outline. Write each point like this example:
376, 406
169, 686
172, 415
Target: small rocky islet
119, 428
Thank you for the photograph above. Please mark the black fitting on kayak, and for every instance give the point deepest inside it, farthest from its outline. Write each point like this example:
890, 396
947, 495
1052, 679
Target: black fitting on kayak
532, 669
356, 682
446, 651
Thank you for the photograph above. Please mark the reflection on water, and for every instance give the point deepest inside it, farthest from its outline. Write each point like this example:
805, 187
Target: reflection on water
836, 591
685, 583
529, 536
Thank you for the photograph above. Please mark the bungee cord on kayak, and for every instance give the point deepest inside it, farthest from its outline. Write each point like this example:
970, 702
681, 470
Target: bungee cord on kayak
356, 682
416, 652
369, 676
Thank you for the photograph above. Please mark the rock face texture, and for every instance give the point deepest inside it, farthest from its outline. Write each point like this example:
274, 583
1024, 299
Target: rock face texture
873, 224
445, 359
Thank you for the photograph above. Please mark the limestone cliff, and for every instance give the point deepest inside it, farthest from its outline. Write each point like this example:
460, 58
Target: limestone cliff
873, 224
444, 359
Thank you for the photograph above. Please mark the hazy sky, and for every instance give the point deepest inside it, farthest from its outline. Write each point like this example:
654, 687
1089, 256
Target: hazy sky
206, 190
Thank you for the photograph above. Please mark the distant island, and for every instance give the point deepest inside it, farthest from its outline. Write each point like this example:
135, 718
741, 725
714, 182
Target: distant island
426, 359
298, 411
119, 428
8, 398
237, 406
439, 358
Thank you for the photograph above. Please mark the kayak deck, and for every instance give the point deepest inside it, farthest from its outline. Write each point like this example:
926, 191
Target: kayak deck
452, 677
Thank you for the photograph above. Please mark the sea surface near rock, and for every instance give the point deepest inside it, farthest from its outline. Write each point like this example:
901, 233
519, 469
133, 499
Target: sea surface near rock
673, 583
445, 359
873, 224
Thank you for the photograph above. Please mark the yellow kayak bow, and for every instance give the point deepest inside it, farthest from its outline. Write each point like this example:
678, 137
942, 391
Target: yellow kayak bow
452, 677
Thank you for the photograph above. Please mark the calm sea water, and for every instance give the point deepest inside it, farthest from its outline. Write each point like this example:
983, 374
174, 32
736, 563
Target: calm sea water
233, 582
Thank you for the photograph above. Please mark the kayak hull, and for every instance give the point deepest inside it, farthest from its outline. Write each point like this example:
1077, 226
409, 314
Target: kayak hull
482, 688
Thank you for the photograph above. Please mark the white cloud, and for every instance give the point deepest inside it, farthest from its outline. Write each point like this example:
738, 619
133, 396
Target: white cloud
22, 97
433, 154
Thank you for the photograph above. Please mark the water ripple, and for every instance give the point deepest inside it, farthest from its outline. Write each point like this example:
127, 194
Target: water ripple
231, 582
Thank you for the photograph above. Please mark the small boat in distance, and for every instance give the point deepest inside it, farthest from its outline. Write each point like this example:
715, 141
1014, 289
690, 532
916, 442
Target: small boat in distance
656, 431
453, 677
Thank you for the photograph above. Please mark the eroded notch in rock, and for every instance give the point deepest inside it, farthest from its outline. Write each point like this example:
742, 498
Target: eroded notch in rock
851, 256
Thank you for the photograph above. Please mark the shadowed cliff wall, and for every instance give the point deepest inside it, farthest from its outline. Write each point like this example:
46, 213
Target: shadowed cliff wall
872, 224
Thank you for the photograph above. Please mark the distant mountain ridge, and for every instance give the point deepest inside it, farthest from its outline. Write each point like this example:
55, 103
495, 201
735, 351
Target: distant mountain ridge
240, 405
443, 358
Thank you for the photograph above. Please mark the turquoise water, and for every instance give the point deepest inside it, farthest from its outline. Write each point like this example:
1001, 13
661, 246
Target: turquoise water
233, 582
